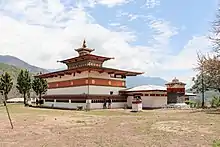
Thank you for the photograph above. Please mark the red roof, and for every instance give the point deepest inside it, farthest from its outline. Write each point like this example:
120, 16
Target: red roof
86, 57
91, 68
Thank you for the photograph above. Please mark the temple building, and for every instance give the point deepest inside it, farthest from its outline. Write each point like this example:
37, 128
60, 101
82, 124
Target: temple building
175, 91
155, 96
86, 82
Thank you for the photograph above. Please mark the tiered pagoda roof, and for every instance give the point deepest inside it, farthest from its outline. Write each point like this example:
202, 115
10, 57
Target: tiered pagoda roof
175, 81
85, 57
86, 61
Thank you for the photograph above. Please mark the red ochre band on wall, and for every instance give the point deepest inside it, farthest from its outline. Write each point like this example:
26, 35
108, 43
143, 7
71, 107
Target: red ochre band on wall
86, 81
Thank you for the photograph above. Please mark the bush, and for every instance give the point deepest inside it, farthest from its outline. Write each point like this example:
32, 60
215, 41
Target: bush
198, 104
215, 102
191, 103
216, 143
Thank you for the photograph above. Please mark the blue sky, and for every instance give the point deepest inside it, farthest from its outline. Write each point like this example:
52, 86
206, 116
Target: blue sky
158, 37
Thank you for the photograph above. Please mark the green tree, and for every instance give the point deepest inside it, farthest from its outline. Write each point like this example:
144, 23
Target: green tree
39, 86
210, 67
24, 84
197, 86
6, 84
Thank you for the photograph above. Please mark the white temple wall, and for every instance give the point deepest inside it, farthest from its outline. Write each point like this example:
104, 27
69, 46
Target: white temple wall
104, 89
84, 89
68, 90
154, 101
75, 105
113, 106
81, 75
64, 105
150, 101
129, 101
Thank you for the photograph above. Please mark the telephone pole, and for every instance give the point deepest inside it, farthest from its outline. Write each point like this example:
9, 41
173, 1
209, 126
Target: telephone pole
6, 107
203, 90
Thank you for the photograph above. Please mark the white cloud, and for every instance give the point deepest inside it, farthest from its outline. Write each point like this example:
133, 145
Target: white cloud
111, 3
151, 3
108, 3
182, 65
163, 32
42, 33
187, 58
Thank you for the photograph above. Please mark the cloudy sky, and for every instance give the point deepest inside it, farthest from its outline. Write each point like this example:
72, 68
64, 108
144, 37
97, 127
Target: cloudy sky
158, 37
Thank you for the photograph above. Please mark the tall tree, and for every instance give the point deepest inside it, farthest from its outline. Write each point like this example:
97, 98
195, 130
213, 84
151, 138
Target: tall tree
24, 84
6, 84
197, 86
39, 86
215, 37
210, 67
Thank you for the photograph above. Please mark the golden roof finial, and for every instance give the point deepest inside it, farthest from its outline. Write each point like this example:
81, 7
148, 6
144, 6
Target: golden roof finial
84, 43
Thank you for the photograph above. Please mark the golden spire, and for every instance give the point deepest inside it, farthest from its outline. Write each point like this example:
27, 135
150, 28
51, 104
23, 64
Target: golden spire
84, 44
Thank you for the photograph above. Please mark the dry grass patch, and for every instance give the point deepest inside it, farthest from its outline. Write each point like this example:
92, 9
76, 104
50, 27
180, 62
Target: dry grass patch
46, 127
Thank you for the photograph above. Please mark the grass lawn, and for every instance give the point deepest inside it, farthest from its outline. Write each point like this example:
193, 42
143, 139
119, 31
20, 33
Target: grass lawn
116, 128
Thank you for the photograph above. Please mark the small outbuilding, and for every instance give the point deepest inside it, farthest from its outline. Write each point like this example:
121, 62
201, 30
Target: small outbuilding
152, 96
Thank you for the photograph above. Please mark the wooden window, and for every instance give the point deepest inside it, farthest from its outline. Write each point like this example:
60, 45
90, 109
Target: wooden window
49, 100
121, 100
63, 101
78, 101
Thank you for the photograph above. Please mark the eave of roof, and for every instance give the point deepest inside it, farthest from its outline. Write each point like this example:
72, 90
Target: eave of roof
85, 57
89, 68
87, 49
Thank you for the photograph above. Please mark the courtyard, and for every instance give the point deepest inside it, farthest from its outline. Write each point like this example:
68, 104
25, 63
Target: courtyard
116, 128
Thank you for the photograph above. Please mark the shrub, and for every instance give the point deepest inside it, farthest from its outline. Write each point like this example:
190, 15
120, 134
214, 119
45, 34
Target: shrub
216, 143
191, 103
215, 102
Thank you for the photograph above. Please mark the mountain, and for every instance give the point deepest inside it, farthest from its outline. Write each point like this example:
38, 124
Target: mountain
13, 71
11, 60
142, 80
